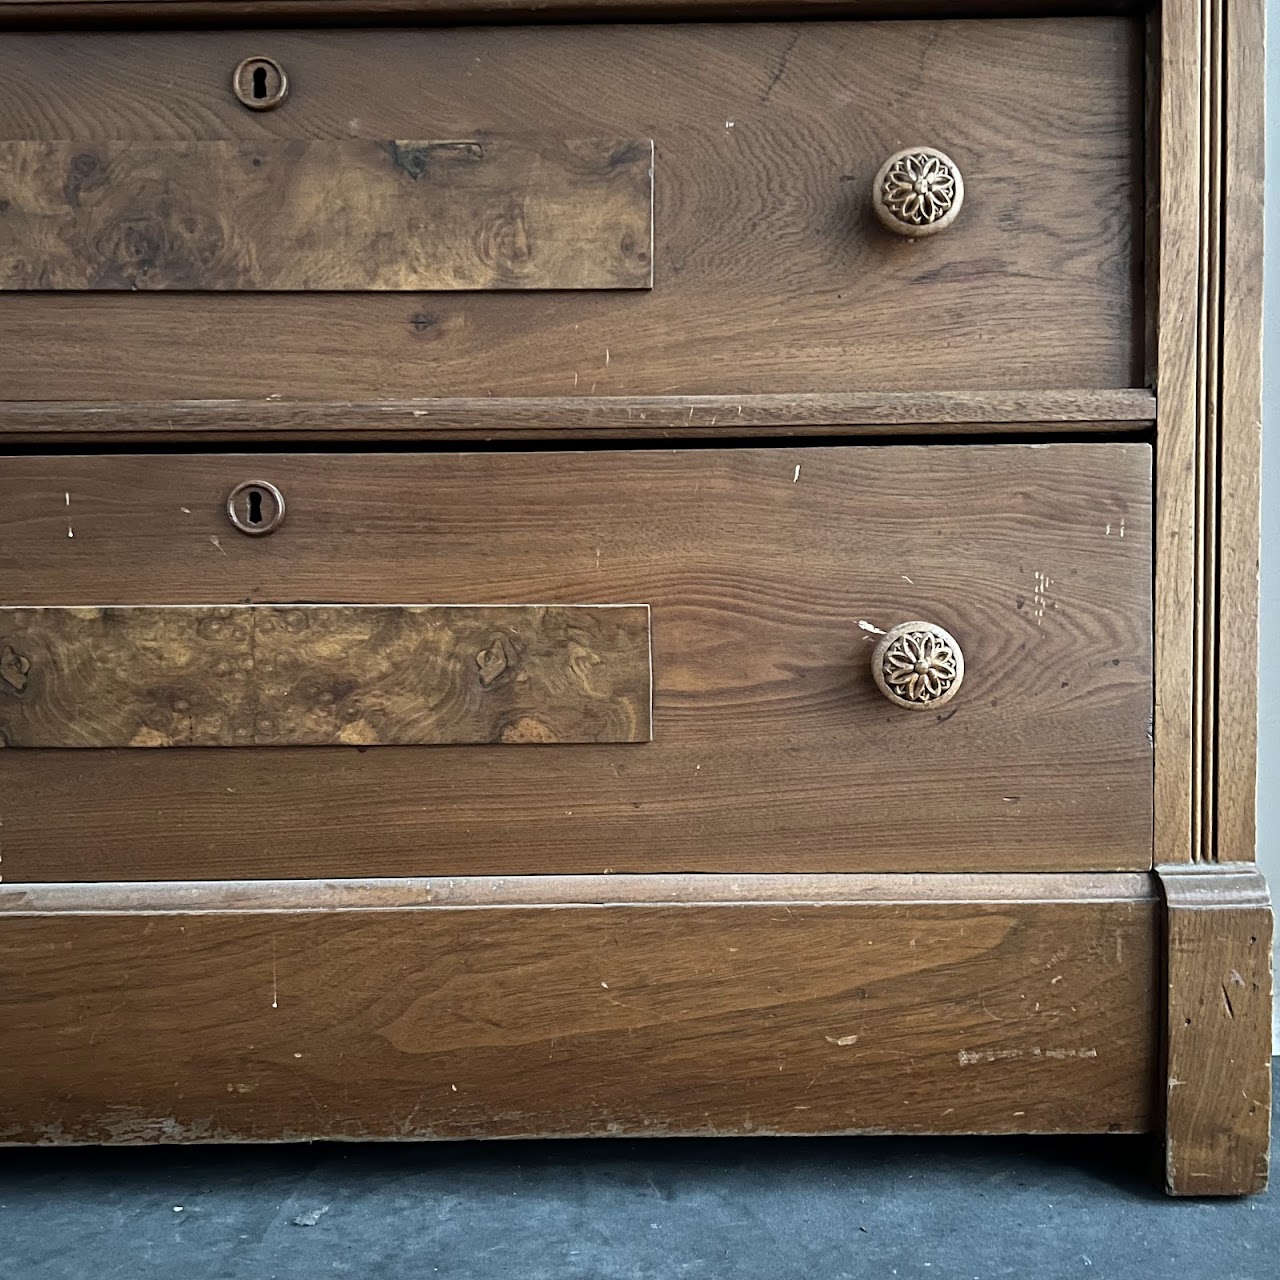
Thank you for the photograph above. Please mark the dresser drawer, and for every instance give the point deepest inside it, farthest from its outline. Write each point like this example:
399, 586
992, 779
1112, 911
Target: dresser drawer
767, 574
770, 271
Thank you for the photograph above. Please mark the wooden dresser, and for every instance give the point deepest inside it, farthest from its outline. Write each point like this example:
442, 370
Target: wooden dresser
632, 568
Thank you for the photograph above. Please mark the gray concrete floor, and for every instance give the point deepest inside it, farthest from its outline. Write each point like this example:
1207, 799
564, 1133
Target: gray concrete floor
747, 1209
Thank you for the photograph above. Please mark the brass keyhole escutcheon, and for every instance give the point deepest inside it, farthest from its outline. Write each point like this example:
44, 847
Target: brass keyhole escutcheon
260, 83
256, 507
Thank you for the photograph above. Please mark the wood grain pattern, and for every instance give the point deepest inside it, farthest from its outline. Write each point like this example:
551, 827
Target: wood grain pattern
1209, 432
1235, 764
1177, 780
939, 888
774, 750
1208, 419
587, 417
767, 289
20, 13
1218, 1056
322, 675
178, 1020
483, 213
772, 274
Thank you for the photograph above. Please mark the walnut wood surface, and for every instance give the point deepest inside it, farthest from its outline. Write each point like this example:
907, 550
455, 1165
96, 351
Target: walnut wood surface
482, 213
1218, 1025
266, 675
1240, 504
1208, 312
159, 1023
771, 272
366, 894
766, 570
165, 12
1203, 224
584, 417
1176, 192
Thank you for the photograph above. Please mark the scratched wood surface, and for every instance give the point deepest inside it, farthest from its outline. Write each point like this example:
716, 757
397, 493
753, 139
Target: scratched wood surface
172, 12
1217, 1117
765, 569
771, 272
269, 675
172, 1017
1178, 271
1240, 433
513, 418
486, 213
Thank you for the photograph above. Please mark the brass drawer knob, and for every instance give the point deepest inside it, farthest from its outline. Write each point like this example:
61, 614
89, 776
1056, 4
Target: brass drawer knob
917, 665
918, 192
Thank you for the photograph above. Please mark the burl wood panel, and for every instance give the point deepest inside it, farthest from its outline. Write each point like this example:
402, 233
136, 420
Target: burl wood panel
274, 675
771, 272
1217, 1117
480, 213
176, 1019
764, 568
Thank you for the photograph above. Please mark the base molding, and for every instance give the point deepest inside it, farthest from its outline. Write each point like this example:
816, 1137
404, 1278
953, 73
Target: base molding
640, 1005
1217, 1122
574, 1006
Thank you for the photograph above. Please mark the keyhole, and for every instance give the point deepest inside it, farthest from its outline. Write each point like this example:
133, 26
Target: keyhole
260, 83
256, 507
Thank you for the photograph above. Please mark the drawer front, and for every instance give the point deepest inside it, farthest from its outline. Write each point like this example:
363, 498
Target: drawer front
768, 572
770, 269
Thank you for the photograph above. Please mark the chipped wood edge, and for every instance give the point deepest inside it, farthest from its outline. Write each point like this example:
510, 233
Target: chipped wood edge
1217, 1104
663, 889
312, 606
551, 417
27, 13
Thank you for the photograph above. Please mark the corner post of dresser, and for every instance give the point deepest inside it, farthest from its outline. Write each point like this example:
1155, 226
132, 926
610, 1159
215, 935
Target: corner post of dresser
1217, 1032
